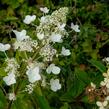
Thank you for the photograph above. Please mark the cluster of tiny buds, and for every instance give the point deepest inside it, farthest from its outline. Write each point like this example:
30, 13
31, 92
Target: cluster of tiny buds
12, 66
26, 45
29, 88
47, 52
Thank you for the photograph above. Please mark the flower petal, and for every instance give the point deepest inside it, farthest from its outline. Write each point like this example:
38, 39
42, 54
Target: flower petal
75, 27
28, 19
20, 36
99, 103
56, 38
40, 36
65, 52
10, 79
55, 70
33, 74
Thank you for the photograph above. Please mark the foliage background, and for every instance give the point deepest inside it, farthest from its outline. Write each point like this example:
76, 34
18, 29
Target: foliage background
88, 49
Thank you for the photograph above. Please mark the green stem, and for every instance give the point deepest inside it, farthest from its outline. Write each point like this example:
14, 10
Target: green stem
34, 55
105, 42
25, 55
5, 54
9, 106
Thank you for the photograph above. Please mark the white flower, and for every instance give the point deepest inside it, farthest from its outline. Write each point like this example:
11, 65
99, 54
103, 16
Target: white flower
107, 98
55, 85
43, 19
44, 10
12, 96
53, 69
26, 45
105, 82
102, 105
65, 52
75, 27
40, 36
10, 79
93, 85
107, 59
28, 19
61, 27
106, 75
21, 35
56, 38
4, 47
33, 74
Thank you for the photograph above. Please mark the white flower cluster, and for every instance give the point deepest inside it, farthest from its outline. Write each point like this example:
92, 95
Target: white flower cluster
105, 83
12, 97
11, 70
52, 26
24, 42
102, 105
48, 52
12, 65
50, 30
29, 88
54, 83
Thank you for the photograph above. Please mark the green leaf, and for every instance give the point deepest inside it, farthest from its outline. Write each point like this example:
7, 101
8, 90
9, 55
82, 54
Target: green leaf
85, 99
23, 103
76, 89
2, 72
82, 75
13, 3
40, 98
98, 65
2, 100
12, 18
65, 106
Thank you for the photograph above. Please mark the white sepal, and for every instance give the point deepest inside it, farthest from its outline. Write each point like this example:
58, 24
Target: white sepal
56, 38
40, 36
20, 36
33, 74
10, 79
65, 52
75, 27
4, 47
53, 69
28, 19
44, 10
55, 85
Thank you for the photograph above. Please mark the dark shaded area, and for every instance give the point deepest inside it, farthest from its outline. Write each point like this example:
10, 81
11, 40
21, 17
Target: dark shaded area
104, 51
3, 6
32, 2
